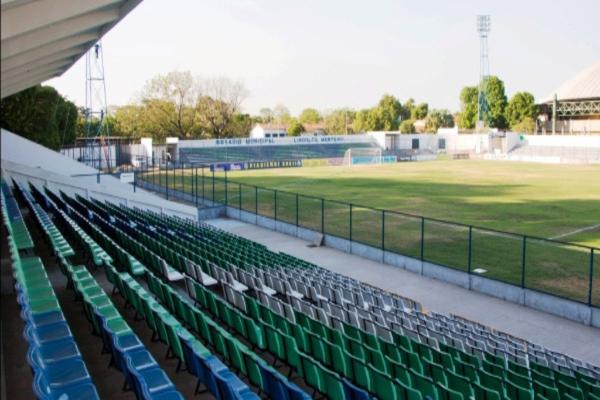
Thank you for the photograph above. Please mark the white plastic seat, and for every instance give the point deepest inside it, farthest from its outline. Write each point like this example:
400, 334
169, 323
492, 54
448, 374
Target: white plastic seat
259, 285
205, 279
236, 285
291, 292
170, 273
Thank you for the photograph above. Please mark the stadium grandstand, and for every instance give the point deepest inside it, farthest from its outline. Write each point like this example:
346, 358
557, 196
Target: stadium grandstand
111, 291
574, 107
261, 152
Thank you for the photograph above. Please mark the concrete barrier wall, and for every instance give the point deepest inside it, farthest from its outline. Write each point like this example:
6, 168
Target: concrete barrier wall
540, 301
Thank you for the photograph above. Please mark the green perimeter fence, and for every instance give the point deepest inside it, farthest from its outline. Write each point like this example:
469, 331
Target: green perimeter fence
558, 268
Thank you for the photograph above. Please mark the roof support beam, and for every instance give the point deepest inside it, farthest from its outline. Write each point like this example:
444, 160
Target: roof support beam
41, 13
48, 51
32, 81
56, 32
18, 73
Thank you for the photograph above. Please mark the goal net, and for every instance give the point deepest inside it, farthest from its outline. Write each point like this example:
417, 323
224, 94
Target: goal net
363, 156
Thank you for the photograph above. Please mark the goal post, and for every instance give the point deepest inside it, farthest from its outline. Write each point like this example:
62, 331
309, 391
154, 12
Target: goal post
363, 156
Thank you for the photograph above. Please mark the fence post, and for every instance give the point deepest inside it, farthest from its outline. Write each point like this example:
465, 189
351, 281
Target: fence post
422, 238
591, 277
296, 209
240, 195
167, 181
213, 186
275, 195
203, 199
226, 199
256, 200
383, 231
470, 249
350, 224
322, 215
523, 261
192, 191
196, 186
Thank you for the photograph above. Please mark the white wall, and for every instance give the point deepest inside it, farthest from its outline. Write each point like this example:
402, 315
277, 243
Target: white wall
26, 161
563, 140
20, 150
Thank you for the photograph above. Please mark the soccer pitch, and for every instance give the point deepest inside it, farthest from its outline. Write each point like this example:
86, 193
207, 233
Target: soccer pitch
536, 200
544, 200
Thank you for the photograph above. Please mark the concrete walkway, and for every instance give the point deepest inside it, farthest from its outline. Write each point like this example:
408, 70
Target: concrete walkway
554, 332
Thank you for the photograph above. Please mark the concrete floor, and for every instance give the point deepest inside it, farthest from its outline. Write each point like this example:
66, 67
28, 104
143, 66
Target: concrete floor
554, 332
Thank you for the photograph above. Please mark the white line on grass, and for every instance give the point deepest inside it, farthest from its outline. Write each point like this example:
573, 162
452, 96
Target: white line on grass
585, 228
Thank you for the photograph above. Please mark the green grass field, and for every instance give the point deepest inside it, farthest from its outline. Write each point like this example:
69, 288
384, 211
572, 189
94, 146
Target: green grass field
532, 199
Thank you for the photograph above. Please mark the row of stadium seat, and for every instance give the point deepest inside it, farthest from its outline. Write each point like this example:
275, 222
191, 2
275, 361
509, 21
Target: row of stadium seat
142, 373
53, 355
479, 370
208, 155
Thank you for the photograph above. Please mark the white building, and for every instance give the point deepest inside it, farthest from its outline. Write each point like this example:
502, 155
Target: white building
267, 131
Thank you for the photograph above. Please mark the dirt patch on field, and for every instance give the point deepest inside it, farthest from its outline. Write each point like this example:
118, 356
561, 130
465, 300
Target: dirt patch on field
571, 286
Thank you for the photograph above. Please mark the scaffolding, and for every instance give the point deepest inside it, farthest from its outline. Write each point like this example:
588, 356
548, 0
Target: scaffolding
97, 152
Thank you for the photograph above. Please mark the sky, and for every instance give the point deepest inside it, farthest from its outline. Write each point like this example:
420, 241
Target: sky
329, 54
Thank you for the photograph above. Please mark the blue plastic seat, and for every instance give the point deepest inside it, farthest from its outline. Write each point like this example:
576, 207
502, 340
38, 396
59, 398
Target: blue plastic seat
168, 395
353, 392
231, 387
150, 381
46, 318
65, 373
211, 366
272, 386
85, 391
52, 352
47, 333
141, 359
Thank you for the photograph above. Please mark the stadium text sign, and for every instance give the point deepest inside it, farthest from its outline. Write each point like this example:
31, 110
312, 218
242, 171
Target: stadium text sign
276, 141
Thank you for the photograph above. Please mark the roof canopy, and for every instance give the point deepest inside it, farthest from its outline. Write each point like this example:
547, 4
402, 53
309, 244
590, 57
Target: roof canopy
584, 85
41, 39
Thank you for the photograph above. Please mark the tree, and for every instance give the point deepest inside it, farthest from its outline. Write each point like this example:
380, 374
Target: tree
387, 113
266, 115
310, 116
339, 121
40, 114
295, 128
419, 111
217, 107
241, 125
131, 120
496, 102
467, 118
526, 125
407, 126
438, 119
362, 121
520, 106
407, 108
169, 100
281, 114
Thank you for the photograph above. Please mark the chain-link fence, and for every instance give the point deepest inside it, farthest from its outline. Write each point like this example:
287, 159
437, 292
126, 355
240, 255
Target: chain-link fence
562, 269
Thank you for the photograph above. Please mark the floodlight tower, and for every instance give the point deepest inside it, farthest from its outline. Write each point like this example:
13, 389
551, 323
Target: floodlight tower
96, 127
483, 28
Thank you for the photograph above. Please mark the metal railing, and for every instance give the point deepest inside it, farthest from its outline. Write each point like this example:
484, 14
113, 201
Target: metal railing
550, 266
